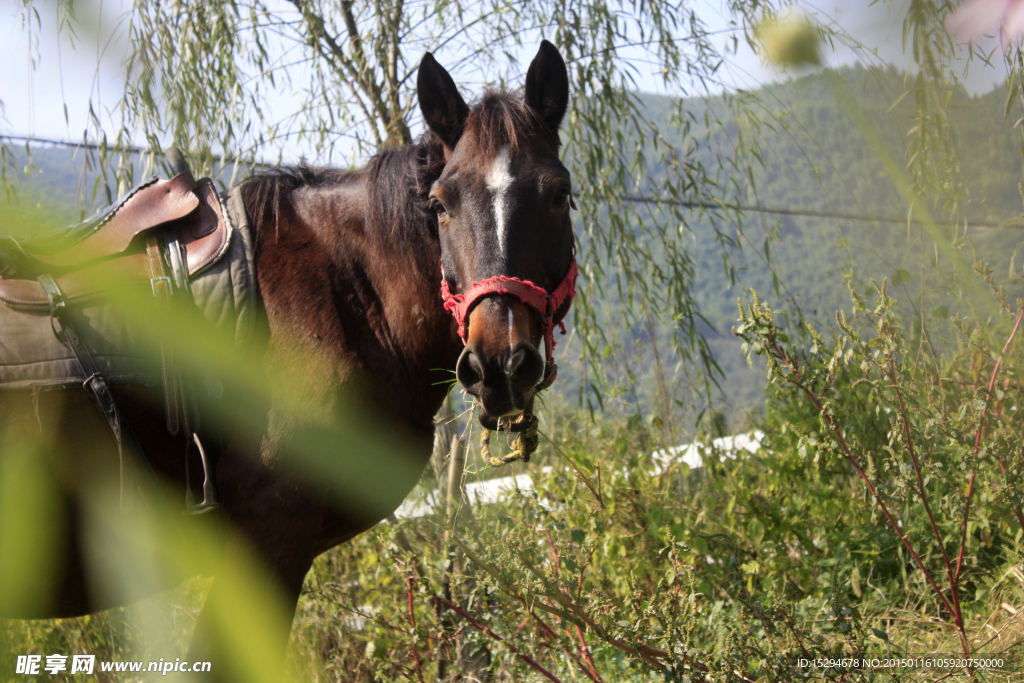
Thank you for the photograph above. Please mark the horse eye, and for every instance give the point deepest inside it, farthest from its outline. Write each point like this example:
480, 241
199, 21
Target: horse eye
438, 208
562, 198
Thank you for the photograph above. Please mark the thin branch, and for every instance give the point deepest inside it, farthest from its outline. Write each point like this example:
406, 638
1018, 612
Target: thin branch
412, 621
526, 658
576, 468
977, 445
551, 633
954, 593
586, 654
856, 465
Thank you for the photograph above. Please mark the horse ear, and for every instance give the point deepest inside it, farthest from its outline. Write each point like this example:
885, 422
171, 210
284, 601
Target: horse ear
443, 108
547, 85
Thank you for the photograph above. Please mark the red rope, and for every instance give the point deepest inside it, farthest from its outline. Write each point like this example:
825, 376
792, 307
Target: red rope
530, 294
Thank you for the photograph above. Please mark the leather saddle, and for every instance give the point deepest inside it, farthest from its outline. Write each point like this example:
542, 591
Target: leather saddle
162, 234
112, 251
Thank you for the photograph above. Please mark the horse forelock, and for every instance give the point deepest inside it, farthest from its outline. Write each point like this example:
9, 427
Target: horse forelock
502, 119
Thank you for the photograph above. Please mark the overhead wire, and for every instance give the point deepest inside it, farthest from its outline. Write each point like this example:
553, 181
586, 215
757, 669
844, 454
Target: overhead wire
633, 198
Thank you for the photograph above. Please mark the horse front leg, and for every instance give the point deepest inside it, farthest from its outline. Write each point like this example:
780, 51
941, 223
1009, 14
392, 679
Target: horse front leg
273, 527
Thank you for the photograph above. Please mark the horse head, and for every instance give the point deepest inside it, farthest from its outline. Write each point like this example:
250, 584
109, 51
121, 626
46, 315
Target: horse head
507, 251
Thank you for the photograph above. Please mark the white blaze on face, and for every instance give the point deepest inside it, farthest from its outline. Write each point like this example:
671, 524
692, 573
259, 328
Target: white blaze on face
511, 325
499, 183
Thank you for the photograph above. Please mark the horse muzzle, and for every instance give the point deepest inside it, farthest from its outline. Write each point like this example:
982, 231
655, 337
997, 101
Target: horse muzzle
504, 384
500, 365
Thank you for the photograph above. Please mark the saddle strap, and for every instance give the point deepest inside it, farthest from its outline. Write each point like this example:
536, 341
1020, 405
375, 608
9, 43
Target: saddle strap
161, 286
179, 384
96, 385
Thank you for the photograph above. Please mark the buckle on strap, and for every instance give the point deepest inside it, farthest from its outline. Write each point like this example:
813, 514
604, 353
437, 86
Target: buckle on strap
96, 386
154, 281
87, 384
156, 269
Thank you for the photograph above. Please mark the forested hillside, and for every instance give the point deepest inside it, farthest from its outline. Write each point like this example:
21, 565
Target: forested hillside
816, 160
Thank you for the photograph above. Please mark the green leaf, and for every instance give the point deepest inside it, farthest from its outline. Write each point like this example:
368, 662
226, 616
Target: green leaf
755, 528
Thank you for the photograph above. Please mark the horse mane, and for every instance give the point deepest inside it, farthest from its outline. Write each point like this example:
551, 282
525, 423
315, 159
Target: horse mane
398, 186
398, 180
262, 193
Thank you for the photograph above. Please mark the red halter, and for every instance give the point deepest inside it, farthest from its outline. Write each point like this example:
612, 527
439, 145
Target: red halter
530, 294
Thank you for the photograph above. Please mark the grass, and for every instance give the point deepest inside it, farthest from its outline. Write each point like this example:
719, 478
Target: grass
661, 578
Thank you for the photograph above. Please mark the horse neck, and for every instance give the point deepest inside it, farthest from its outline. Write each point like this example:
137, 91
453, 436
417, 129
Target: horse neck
383, 312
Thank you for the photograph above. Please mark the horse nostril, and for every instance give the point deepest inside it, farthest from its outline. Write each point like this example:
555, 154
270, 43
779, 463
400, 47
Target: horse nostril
469, 370
525, 365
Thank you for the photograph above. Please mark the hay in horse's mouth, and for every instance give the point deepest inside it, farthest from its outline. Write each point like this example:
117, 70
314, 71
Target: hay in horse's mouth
522, 448
519, 423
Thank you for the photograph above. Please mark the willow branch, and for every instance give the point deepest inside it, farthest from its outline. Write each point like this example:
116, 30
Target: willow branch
350, 72
365, 79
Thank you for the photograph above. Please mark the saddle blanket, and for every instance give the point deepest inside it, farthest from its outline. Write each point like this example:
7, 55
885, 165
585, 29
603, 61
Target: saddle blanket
225, 292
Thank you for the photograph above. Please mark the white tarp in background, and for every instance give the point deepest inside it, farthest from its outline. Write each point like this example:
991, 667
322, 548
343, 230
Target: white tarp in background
496, 490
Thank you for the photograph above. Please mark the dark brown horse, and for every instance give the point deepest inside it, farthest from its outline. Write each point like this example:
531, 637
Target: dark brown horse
349, 266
